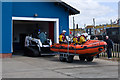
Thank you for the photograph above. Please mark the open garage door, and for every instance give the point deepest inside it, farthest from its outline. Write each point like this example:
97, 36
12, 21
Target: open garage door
22, 28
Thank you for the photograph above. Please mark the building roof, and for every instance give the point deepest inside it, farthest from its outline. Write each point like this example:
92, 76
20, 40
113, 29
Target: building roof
102, 26
72, 11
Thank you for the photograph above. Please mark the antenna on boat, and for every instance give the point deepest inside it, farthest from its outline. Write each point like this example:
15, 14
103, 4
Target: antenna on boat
94, 27
74, 32
73, 27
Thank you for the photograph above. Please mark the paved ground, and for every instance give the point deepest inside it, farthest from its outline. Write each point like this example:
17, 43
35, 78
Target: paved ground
51, 67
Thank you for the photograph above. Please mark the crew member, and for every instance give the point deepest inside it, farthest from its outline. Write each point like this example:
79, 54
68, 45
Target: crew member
75, 39
109, 47
83, 38
62, 37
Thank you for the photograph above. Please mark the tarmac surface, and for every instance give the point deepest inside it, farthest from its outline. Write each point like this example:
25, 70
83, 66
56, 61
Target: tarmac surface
51, 67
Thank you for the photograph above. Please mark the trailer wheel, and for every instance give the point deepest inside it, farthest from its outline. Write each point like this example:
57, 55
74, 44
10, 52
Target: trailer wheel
89, 59
82, 58
61, 58
69, 58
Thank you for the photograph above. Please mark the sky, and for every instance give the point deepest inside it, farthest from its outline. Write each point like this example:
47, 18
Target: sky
102, 10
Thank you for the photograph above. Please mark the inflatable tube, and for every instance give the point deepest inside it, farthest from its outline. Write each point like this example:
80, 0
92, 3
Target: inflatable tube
90, 48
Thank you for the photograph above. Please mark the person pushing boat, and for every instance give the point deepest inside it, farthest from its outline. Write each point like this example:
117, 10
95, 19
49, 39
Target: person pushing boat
62, 37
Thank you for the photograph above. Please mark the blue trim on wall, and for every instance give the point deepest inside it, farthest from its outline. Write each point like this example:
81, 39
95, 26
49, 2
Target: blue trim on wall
0, 27
44, 10
6, 27
28, 9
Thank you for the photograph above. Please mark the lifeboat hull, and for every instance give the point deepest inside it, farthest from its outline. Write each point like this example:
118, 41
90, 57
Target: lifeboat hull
90, 48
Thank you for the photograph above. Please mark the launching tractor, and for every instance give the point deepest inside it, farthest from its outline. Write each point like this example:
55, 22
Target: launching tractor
37, 45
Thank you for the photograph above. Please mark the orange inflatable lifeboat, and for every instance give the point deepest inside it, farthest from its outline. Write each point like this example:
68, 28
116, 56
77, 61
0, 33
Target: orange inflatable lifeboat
90, 48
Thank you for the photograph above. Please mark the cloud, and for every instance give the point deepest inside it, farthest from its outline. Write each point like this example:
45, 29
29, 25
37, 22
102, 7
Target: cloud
90, 9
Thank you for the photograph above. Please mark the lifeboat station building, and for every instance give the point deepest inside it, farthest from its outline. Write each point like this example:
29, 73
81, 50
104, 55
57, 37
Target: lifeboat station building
19, 19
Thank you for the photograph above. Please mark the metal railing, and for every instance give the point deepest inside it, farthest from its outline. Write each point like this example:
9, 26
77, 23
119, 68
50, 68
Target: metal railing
115, 51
